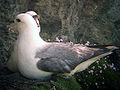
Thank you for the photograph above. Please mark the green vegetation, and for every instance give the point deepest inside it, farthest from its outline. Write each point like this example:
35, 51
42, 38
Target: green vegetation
101, 75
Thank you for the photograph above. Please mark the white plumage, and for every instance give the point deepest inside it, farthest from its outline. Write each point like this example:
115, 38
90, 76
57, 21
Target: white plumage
12, 62
38, 59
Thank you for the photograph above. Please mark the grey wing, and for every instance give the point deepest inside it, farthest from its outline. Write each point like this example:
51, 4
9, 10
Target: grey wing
11, 64
64, 58
52, 64
11, 50
57, 58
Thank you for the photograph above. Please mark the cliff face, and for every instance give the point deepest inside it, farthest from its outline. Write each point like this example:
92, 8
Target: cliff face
78, 21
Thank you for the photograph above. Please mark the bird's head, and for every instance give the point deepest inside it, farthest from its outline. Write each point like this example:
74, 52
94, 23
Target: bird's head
25, 21
35, 16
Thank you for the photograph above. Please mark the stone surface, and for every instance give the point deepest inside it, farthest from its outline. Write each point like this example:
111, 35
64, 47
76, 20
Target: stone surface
79, 20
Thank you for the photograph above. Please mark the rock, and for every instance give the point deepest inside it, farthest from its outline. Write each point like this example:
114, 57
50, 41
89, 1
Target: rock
80, 20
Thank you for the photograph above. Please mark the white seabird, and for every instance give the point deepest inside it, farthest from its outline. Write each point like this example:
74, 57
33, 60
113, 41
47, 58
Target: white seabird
12, 62
38, 59
36, 17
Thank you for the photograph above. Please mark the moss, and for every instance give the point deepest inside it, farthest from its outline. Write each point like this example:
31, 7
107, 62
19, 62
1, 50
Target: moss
41, 86
66, 84
101, 76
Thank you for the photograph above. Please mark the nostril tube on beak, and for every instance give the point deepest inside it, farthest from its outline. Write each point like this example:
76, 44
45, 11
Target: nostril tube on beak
11, 27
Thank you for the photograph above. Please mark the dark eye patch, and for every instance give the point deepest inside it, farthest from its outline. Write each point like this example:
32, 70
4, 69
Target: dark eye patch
18, 20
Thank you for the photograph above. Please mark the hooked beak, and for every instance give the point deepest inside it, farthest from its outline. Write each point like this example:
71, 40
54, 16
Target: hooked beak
38, 16
11, 27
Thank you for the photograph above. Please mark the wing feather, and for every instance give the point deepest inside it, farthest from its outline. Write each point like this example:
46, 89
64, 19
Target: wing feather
63, 58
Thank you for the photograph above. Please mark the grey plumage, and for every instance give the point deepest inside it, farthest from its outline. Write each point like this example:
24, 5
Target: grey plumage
63, 58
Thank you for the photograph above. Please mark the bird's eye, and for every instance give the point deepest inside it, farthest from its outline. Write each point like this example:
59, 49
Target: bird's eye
36, 16
18, 20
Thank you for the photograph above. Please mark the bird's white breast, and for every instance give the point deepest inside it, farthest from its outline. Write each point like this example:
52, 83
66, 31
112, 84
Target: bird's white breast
27, 48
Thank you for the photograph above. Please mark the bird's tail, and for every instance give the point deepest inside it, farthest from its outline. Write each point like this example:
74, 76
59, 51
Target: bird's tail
112, 48
109, 47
